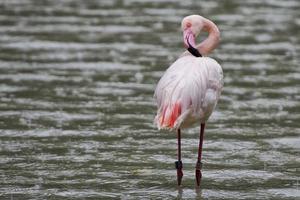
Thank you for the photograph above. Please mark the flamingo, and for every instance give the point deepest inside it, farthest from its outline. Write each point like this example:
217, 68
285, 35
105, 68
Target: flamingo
190, 88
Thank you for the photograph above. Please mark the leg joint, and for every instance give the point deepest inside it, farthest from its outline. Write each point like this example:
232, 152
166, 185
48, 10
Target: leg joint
199, 165
178, 164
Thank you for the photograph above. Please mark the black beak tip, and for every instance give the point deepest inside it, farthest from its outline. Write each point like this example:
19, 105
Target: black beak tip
194, 51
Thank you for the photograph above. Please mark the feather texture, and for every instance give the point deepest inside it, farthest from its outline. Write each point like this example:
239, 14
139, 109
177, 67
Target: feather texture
188, 92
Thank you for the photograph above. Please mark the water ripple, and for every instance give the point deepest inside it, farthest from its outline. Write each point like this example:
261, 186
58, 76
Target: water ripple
77, 109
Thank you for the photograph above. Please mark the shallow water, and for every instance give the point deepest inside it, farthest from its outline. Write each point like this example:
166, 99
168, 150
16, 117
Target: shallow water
77, 109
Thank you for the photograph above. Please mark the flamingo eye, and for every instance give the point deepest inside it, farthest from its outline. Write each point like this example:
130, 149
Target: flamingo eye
188, 24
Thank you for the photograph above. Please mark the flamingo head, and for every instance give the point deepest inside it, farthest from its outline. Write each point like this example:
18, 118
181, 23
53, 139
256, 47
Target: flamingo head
191, 27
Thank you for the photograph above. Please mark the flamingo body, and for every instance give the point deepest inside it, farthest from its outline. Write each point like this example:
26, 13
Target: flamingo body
188, 92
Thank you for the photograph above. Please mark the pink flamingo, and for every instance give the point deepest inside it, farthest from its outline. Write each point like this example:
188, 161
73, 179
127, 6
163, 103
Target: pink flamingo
189, 90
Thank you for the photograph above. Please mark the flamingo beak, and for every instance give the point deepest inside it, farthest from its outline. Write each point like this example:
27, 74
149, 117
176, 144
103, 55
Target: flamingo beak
190, 43
189, 38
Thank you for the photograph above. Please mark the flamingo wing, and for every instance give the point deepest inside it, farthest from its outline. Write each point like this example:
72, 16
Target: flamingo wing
188, 91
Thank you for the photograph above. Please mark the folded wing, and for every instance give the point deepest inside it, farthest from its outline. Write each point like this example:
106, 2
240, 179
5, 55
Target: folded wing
181, 93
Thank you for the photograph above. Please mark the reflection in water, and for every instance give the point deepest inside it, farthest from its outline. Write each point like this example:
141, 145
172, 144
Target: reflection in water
179, 196
198, 193
76, 101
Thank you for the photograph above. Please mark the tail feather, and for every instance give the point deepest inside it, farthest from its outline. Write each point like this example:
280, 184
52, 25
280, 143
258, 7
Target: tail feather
169, 115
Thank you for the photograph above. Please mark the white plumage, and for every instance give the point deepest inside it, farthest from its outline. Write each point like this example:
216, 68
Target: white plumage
188, 92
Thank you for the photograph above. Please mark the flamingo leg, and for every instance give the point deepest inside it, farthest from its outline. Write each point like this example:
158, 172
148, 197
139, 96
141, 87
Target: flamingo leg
178, 164
199, 163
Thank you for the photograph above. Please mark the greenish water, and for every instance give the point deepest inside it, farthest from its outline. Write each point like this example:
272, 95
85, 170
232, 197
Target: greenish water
77, 109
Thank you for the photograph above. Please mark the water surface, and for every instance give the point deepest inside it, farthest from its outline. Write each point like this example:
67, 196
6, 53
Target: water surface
77, 109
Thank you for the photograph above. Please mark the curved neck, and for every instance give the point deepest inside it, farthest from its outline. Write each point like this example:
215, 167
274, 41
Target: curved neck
212, 41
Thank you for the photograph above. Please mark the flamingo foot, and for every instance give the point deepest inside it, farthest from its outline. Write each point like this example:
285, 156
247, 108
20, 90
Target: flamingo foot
178, 165
198, 173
